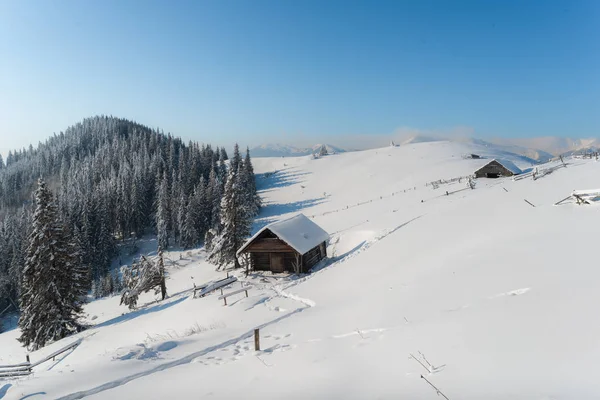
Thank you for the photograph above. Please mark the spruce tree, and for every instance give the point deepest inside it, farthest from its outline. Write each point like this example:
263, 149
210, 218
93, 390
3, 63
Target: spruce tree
175, 201
213, 209
162, 214
49, 305
200, 209
81, 279
107, 284
252, 197
222, 168
223, 154
235, 220
189, 234
117, 282
236, 159
214, 196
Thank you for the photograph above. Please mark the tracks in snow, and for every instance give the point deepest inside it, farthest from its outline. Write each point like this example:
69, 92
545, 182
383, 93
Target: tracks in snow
182, 361
306, 304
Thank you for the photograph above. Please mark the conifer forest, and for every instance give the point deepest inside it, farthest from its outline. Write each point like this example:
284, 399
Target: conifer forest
67, 204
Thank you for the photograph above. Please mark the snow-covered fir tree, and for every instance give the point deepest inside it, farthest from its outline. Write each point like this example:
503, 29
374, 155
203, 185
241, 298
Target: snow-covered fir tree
236, 220
236, 159
50, 303
223, 154
200, 209
249, 182
162, 214
189, 235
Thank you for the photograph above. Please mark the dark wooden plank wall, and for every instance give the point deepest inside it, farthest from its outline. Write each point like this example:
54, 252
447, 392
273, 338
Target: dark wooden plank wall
494, 167
261, 261
313, 256
267, 245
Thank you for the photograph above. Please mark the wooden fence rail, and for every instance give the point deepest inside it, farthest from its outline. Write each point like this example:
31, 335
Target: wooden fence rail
57, 353
26, 368
226, 295
15, 372
212, 286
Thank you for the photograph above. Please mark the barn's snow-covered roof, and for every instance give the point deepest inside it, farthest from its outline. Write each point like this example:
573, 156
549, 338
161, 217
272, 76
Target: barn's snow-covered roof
299, 232
509, 165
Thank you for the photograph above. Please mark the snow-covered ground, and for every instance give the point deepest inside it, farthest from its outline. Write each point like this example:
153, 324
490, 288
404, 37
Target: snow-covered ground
500, 297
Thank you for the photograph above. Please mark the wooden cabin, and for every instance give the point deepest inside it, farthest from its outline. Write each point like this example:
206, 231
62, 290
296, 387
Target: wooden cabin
497, 168
292, 245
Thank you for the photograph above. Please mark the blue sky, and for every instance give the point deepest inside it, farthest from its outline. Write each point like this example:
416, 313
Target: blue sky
292, 71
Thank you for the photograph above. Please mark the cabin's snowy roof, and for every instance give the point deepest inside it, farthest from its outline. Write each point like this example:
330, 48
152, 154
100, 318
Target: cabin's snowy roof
299, 232
509, 165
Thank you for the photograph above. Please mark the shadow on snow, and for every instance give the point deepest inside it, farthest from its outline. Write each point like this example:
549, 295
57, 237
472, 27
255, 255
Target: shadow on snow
182, 361
270, 212
278, 179
136, 313
4, 390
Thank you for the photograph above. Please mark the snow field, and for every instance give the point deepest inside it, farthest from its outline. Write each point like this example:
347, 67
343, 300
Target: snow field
499, 295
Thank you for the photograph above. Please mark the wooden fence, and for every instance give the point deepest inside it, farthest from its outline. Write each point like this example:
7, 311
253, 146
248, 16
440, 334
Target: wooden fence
459, 179
26, 368
203, 290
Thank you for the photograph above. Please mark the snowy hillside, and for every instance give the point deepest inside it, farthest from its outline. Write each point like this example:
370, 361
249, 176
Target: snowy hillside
494, 298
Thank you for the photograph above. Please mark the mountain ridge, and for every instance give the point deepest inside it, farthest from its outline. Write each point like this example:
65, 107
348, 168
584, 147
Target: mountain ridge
541, 149
282, 150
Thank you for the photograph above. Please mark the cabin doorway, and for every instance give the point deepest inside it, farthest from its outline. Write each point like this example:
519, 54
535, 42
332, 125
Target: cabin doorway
492, 175
277, 262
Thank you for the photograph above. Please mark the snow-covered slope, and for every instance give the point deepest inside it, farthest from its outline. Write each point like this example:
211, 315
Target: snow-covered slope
498, 296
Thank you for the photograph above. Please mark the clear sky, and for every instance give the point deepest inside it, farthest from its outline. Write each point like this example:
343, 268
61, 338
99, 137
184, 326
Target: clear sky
287, 70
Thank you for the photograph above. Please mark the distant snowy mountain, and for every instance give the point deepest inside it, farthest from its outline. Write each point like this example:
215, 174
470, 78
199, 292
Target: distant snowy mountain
540, 149
504, 146
530, 153
551, 145
283, 150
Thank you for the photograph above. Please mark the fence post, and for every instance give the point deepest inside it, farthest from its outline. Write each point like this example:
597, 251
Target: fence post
27, 356
256, 340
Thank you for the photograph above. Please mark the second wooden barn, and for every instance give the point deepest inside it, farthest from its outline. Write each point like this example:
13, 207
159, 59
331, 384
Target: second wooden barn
497, 168
294, 245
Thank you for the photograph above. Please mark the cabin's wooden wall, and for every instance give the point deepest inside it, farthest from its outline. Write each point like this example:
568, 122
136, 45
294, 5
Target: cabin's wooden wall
267, 245
313, 256
493, 167
260, 261
262, 247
